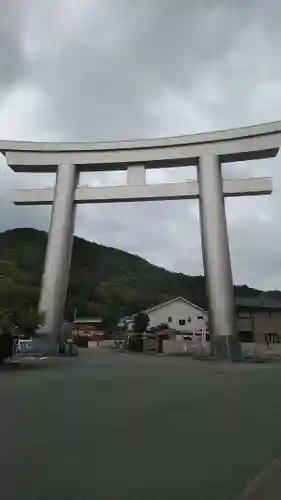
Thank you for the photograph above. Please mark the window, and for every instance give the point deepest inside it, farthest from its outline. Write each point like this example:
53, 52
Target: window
182, 322
246, 336
170, 319
200, 317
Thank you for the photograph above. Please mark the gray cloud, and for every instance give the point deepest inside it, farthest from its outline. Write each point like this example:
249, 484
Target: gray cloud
11, 52
124, 69
101, 76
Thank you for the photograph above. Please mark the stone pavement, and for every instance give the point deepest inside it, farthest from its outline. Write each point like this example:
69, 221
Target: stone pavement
110, 426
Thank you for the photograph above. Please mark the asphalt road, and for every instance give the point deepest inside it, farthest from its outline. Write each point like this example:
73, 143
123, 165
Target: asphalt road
126, 427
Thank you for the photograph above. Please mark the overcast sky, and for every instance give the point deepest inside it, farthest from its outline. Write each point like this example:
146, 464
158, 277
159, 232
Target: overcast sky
124, 69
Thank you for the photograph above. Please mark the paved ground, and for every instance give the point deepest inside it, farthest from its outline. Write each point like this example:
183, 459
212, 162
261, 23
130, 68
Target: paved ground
116, 426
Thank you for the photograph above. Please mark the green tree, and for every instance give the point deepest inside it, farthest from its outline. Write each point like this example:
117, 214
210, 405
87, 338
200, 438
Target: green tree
15, 291
6, 323
141, 322
110, 320
6, 337
29, 320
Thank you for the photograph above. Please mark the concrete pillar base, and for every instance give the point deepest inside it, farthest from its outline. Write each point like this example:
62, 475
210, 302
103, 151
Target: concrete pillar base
227, 347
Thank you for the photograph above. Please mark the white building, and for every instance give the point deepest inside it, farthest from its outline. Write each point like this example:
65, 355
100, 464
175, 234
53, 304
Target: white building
179, 314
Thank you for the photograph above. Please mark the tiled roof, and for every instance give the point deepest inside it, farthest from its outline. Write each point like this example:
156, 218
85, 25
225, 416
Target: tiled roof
259, 302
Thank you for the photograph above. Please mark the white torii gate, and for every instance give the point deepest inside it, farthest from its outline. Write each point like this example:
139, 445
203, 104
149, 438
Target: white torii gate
207, 151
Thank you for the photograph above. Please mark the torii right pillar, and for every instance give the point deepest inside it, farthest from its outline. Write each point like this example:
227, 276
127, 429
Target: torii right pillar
216, 259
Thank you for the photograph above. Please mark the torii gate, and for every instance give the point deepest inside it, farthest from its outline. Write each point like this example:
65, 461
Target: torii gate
207, 151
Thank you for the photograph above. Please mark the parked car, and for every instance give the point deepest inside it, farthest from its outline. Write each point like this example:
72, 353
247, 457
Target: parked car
24, 347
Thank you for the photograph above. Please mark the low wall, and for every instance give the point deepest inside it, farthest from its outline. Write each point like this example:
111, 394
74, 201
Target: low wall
185, 347
253, 349
149, 345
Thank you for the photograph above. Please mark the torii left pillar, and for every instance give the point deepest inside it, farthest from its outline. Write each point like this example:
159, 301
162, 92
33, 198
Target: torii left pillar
58, 255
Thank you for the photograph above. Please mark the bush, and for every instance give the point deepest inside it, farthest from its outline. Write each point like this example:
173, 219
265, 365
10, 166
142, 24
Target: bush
135, 343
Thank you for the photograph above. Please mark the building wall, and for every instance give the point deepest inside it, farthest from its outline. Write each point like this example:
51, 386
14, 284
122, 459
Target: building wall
262, 323
265, 324
179, 310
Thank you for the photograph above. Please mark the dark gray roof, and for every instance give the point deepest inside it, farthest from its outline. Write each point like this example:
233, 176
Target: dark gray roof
259, 302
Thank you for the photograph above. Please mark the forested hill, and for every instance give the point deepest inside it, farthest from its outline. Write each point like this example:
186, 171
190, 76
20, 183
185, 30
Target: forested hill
104, 281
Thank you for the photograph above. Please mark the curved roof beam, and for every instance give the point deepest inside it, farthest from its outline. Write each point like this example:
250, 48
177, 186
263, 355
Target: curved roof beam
247, 143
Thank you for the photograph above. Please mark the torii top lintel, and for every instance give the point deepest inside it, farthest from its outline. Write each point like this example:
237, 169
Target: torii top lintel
240, 144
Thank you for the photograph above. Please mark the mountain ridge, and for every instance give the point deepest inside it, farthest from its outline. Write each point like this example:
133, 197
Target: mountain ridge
104, 281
